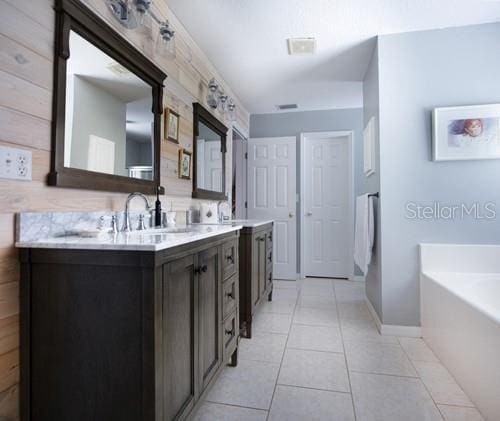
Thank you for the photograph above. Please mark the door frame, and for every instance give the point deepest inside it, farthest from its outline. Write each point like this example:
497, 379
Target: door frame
311, 136
241, 160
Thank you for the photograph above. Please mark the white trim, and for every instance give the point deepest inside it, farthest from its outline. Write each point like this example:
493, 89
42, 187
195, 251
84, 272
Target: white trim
393, 330
374, 314
358, 278
350, 210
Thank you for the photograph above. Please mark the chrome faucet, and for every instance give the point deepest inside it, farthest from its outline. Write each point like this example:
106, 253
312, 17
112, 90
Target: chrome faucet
126, 223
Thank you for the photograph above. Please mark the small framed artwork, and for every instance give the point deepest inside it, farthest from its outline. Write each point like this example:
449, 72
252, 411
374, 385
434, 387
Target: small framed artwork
463, 133
171, 125
369, 135
185, 164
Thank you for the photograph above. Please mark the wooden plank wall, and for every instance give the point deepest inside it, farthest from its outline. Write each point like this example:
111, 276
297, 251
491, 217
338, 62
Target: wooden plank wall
26, 57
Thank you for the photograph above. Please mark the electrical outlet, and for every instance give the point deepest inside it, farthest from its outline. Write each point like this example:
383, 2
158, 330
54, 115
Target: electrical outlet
15, 164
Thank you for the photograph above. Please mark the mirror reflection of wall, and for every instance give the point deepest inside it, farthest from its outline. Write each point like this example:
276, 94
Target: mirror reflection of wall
209, 168
109, 119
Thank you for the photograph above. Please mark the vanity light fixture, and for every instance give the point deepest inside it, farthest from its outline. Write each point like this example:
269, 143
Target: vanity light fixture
231, 110
132, 14
217, 99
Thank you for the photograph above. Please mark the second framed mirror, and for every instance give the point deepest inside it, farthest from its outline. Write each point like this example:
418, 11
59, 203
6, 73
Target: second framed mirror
209, 164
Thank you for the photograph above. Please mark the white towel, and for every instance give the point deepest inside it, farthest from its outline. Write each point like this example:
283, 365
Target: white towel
365, 232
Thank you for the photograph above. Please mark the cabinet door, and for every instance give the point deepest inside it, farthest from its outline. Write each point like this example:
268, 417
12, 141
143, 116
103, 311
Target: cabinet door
179, 318
210, 320
262, 264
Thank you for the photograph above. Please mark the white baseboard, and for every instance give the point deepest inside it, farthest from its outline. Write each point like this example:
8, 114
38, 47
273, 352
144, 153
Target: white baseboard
393, 330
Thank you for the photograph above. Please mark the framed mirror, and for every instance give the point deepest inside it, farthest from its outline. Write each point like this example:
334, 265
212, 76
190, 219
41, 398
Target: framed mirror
107, 107
209, 164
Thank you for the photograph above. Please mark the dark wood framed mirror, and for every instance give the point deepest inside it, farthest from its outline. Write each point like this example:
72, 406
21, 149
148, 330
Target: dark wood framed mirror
107, 107
209, 151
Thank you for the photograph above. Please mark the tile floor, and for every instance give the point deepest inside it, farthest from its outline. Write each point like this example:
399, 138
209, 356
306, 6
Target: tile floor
316, 355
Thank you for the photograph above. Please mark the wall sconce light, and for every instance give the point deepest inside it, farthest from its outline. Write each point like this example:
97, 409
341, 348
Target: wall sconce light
132, 14
231, 110
166, 40
217, 99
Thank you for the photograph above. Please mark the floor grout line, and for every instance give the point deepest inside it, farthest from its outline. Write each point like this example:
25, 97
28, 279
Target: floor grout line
421, 381
345, 357
282, 357
313, 388
236, 406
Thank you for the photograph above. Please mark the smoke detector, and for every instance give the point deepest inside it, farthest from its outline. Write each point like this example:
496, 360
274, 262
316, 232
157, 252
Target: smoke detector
301, 46
287, 107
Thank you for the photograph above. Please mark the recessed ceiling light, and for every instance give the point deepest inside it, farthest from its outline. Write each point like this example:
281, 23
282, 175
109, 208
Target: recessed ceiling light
302, 46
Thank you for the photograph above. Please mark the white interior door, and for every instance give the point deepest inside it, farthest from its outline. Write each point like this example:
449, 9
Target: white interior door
327, 193
272, 192
213, 166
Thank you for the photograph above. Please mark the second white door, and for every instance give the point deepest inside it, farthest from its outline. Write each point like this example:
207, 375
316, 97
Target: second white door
327, 241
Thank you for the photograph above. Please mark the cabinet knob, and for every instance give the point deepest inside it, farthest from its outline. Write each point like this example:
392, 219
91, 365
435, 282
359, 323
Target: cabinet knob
230, 258
262, 239
230, 332
230, 295
204, 268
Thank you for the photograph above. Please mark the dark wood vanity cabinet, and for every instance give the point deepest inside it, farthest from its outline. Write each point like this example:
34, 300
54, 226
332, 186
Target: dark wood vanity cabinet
256, 272
125, 335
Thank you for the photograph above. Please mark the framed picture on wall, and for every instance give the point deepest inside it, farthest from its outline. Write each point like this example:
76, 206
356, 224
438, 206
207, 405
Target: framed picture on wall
464, 133
185, 164
171, 125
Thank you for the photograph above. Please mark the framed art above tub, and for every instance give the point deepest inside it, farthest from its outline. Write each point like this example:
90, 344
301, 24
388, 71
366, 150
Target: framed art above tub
465, 133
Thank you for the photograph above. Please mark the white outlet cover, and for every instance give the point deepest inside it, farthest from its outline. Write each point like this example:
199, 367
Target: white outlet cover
16, 164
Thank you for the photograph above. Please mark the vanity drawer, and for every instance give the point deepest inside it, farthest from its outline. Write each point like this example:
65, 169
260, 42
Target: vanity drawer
230, 334
230, 291
229, 259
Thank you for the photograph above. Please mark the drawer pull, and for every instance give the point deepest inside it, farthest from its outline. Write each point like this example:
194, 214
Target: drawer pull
230, 295
230, 258
230, 332
200, 269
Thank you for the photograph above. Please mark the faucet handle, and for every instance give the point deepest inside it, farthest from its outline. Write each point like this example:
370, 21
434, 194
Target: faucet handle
114, 224
142, 225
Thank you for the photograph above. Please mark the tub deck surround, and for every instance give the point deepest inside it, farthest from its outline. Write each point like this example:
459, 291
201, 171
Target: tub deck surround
460, 307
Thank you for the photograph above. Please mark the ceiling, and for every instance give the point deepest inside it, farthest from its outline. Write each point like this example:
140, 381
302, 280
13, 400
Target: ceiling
246, 41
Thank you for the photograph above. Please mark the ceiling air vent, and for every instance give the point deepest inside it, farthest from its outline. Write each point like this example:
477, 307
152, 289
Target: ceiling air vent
287, 107
301, 46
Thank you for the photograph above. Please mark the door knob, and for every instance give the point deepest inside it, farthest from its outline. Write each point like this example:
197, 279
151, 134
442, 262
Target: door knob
290, 215
309, 214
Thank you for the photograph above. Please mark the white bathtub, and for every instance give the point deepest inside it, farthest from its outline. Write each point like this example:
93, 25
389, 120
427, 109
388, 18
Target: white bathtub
460, 312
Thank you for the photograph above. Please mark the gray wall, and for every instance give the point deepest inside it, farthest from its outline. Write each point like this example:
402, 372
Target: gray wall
419, 71
371, 109
295, 123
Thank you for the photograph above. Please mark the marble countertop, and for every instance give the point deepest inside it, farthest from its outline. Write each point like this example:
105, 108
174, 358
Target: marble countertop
245, 223
148, 240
